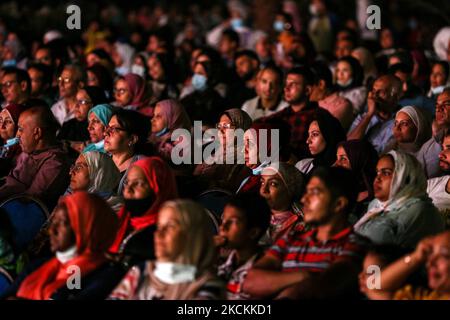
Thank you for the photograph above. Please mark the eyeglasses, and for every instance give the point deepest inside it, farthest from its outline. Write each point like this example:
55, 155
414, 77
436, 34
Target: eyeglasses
113, 130
8, 84
75, 168
224, 126
64, 80
83, 102
138, 183
120, 91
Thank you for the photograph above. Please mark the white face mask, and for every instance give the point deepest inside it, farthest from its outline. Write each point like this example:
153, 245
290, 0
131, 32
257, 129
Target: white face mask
344, 84
437, 90
66, 256
137, 69
173, 273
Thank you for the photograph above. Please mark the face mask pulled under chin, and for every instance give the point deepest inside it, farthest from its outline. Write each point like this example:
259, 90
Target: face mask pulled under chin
344, 84
137, 69
437, 90
138, 207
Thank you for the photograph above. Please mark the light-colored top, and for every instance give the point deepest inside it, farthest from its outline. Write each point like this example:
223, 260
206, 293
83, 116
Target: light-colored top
428, 156
255, 110
378, 132
437, 190
305, 166
357, 97
60, 112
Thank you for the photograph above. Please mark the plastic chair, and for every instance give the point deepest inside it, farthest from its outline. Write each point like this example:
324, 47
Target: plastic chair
26, 215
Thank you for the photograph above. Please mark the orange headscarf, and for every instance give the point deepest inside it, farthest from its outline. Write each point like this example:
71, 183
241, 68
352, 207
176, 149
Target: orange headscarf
94, 225
162, 182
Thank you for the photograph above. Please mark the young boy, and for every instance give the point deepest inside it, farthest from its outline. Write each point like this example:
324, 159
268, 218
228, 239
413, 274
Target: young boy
245, 219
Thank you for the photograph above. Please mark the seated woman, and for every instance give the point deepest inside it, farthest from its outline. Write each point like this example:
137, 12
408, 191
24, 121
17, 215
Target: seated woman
169, 115
149, 182
205, 103
126, 140
261, 149
185, 257
432, 253
162, 81
95, 172
361, 158
98, 119
411, 130
75, 131
215, 171
82, 228
131, 92
349, 77
9, 119
401, 213
282, 186
324, 133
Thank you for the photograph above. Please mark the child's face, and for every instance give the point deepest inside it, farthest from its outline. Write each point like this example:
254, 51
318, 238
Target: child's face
234, 228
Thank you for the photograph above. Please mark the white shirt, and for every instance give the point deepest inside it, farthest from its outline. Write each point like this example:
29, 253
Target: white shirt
60, 112
251, 107
437, 191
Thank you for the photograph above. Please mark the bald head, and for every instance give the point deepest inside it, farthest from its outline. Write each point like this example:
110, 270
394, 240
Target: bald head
393, 85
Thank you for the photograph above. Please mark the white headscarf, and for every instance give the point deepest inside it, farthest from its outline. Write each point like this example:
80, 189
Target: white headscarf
103, 174
440, 43
408, 185
423, 125
126, 52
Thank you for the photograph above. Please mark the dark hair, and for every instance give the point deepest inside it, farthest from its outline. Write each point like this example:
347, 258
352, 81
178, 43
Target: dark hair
47, 72
445, 66
96, 94
247, 53
340, 181
273, 67
322, 72
232, 35
46, 120
406, 58
21, 75
103, 76
332, 132
135, 123
388, 253
357, 71
255, 209
399, 67
305, 72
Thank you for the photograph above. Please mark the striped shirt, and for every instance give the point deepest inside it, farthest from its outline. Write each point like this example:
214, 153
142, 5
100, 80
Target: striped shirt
302, 251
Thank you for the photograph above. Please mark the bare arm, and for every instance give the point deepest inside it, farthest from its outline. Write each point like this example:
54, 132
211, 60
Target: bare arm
266, 279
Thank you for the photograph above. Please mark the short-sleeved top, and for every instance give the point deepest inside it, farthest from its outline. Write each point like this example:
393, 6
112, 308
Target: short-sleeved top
303, 251
378, 132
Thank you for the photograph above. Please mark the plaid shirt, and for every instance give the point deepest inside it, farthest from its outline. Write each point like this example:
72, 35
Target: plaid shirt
302, 251
299, 123
235, 276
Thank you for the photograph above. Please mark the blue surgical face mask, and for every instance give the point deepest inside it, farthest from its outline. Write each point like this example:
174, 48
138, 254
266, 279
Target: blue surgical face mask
199, 82
278, 25
137, 69
162, 132
9, 63
11, 142
237, 23
258, 170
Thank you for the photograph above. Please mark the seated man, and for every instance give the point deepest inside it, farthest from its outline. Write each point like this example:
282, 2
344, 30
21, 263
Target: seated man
323, 262
439, 188
382, 104
42, 169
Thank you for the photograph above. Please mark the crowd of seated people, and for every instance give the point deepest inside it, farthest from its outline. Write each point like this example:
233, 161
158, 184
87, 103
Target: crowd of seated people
225, 158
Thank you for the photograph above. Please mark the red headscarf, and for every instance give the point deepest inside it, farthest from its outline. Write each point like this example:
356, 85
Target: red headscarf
162, 183
94, 225
140, 93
